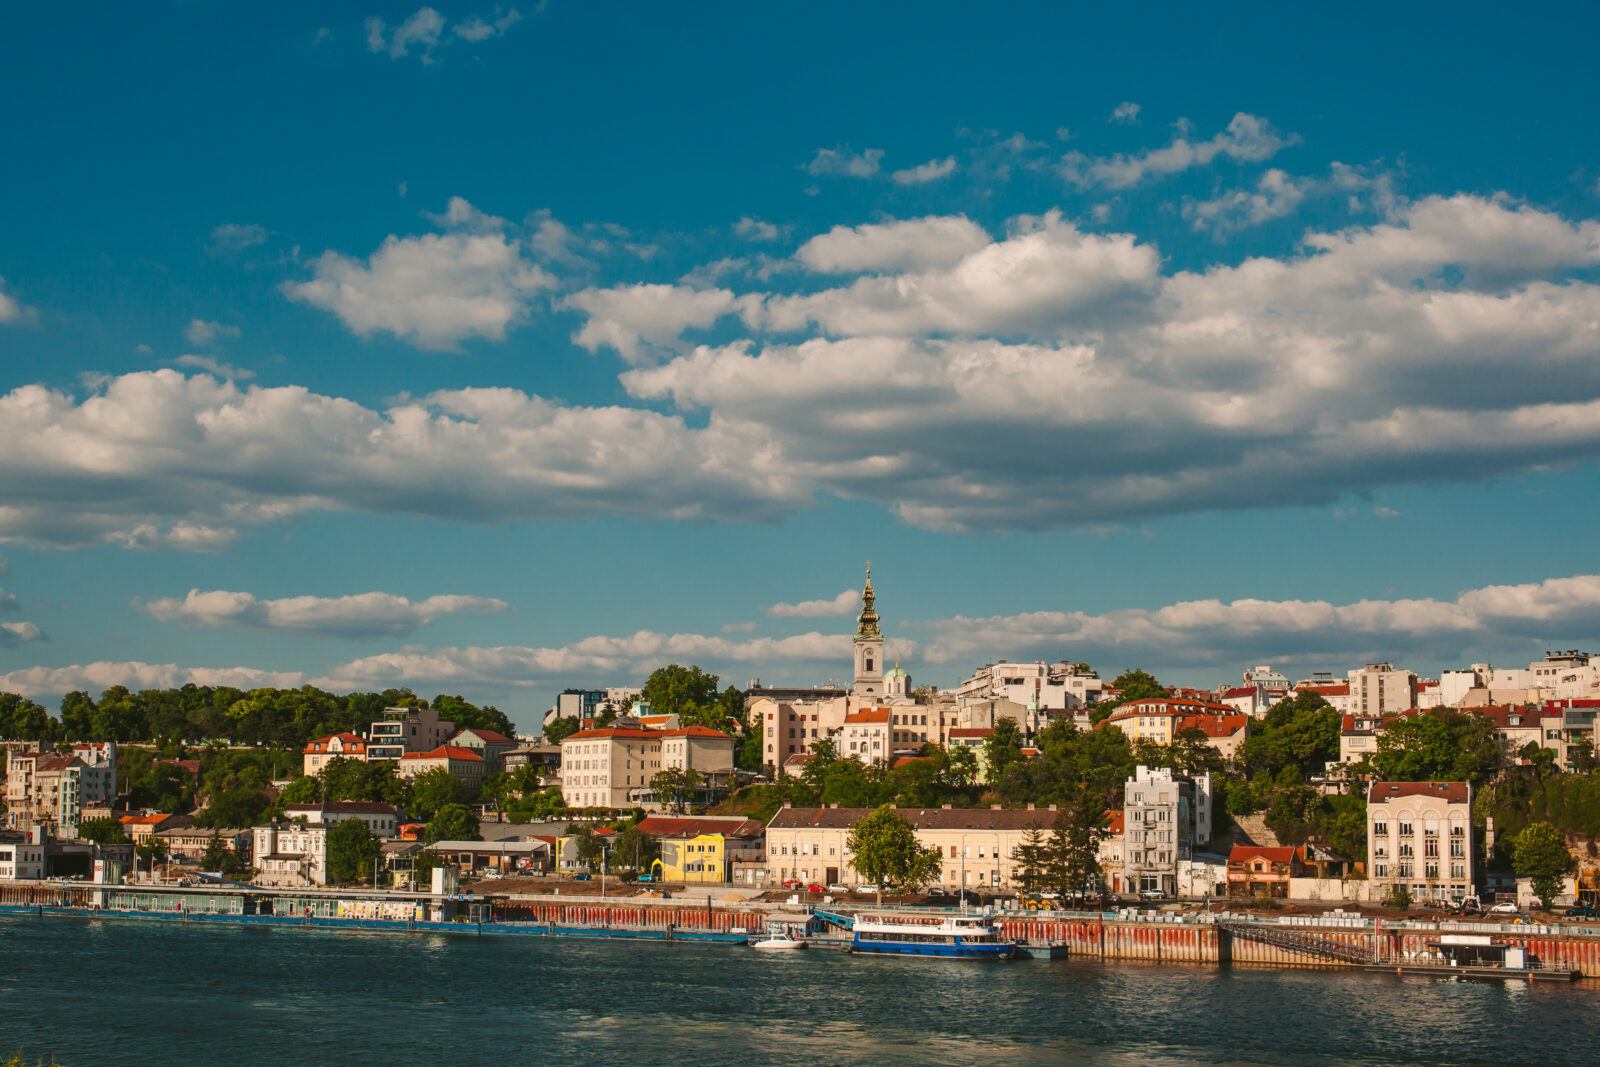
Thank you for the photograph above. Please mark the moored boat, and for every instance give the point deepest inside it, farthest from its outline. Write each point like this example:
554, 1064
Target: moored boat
779, 941
968, 937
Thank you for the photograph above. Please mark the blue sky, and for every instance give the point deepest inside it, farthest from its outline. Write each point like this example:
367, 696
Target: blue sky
497, 349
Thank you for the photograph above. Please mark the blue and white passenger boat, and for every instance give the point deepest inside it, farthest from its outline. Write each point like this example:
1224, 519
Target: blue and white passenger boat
967, 937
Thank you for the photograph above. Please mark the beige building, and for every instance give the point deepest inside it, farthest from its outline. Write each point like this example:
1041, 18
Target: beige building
1051, 687
187, 844
44, 789
810, 843
324, 750
1419, 835
1225, 733
601, 768
465, 765
865, 736
403, 730
1378, 688
1158, 719
706, 752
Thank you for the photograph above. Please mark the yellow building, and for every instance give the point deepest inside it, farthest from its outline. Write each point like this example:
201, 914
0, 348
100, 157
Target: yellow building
702, 858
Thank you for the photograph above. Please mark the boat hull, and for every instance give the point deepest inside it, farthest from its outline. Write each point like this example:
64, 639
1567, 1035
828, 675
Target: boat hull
984, 950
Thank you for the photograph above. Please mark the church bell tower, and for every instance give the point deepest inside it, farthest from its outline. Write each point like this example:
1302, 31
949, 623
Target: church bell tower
869, 646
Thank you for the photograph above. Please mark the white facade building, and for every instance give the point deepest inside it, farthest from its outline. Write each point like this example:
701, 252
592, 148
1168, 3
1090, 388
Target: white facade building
1379, 688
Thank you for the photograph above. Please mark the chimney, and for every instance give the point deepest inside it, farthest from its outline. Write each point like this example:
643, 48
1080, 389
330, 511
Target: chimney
946, 807
1052, 807
1030, 807
833, 805
994, 807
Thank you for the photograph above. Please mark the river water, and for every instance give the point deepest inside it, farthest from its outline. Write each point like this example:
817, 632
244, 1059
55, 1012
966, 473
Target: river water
122, 993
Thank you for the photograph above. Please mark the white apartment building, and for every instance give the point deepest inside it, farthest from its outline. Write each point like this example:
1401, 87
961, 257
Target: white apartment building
1419, 835
1050, 687
1165, 818
383, 820
290, 855
98, 779
21, 856
1379, 688
706, 752
1274, 682
601, 768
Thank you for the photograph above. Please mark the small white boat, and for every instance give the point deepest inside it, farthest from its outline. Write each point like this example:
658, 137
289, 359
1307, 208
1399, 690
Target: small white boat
778, 942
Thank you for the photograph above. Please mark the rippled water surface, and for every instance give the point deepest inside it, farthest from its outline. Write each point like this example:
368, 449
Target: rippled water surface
125, 994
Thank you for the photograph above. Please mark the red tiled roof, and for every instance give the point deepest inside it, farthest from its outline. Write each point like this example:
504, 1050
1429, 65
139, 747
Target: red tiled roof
1326, 690
1453, 792
867, 715
1215, 725
1115, 826
142, 820
447, 752
972, 731
1241, 691
903, 760
665, 826
487, 735
1245, 853
797, 759
319, 745
695, 731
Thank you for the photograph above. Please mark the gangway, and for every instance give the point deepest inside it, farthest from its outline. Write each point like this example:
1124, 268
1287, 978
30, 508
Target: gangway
843, 922
1297, 941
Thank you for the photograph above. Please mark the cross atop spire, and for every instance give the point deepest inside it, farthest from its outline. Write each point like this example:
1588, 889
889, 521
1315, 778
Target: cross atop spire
867, 621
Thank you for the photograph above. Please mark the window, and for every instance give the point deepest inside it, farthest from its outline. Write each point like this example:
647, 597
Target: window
1406, 829
1457, 849
1380, 829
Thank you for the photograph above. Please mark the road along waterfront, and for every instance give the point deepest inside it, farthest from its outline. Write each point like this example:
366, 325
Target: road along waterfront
96, 992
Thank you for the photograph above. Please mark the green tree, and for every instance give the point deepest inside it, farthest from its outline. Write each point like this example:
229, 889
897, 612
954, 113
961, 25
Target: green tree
151, 851
453, 822
560, 729
352, 849
687, 692
589, 846
1398, 897
885, 851
1583, 759
104, 831
219, 857
1441, 745
1073, 854
1540, 853
237, 805
634, 849
432, 791
1033, 859
676, 786
1002, 748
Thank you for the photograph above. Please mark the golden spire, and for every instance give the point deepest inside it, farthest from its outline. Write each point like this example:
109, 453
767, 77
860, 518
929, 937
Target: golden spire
867, 621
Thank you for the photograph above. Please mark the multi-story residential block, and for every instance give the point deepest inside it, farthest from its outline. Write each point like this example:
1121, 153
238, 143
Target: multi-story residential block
22, 855
45, 789
602, 768
1358, 737
706, 752
98, 780
1274, 683
403, 730
488, 744
1050, 687
1337, 694
1158, 719
1165, 818
865, 736
383, 820
1419, 836
1379, 688
464, 764
584, 704
324, 750
187, 844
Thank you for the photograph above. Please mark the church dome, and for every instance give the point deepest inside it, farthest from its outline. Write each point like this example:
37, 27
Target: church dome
896, 672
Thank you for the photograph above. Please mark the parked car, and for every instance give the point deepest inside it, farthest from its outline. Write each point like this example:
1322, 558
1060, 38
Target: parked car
1582, 911
866, 887
1505, 907
793, 883
1152, 894
584, 877
647, 878
838, 887
814, 888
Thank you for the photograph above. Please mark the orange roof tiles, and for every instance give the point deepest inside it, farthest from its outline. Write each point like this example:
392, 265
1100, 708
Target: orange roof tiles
867, 716
446, 752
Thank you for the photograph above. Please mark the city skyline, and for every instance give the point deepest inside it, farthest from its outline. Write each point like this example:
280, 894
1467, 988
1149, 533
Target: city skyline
499, 349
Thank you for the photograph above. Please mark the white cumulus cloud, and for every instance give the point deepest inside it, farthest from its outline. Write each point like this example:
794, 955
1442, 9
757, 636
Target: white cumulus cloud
924, 173
1247, 139
909, 244
11, 309
360, 615
845, 163
201, 332
846, 603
